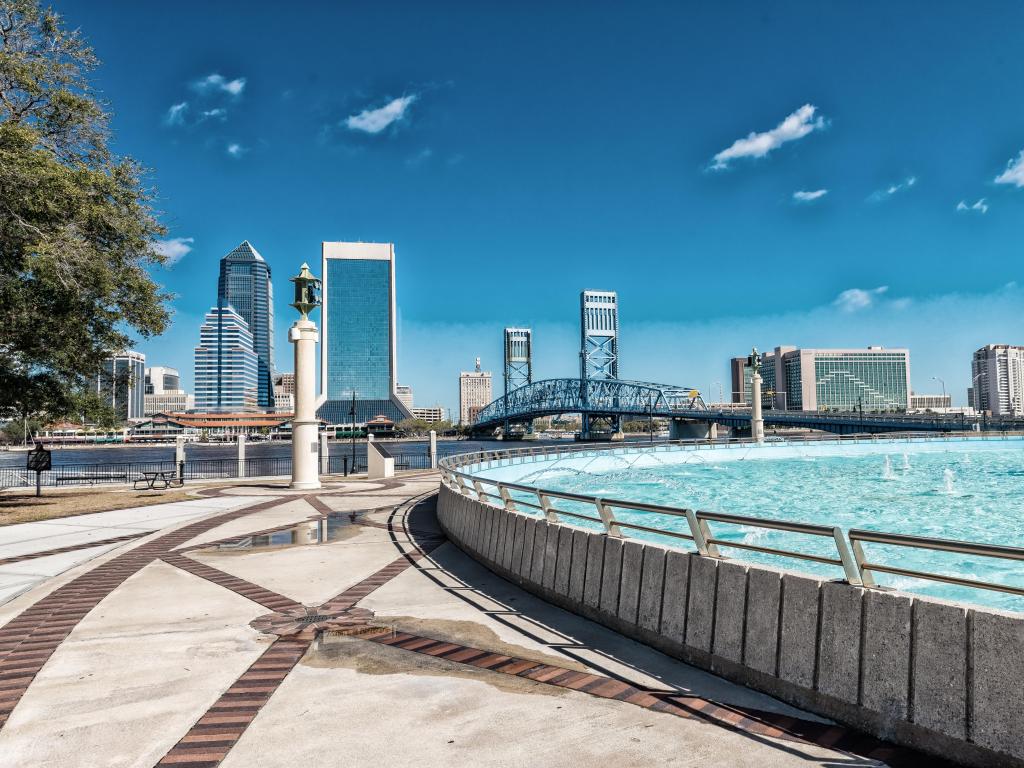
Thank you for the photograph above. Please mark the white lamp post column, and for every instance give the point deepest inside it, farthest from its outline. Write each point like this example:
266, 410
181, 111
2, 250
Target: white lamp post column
756, 418
305, 425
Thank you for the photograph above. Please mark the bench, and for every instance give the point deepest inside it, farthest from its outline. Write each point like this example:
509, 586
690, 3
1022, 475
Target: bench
165, 478
90, 479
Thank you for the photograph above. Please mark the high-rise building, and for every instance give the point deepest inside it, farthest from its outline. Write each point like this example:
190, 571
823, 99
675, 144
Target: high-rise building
997, 378
872, 379
404, 393
227, 368
121, 383
474, 393
742, 378
358, 345
161, 379
518, 358
599, 335
163, 391
284, 384
244, 284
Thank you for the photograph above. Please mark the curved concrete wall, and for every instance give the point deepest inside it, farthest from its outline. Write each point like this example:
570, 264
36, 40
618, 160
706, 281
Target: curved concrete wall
937, 676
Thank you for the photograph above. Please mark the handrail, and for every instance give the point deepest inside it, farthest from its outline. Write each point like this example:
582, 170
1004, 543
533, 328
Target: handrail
850, 555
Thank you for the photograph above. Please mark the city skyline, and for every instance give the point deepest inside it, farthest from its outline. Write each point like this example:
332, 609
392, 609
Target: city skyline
868, 191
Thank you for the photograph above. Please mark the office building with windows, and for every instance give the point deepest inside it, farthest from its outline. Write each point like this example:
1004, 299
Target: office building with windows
404, 394
474, 393
358, 344
121, 383
742, 377
227, 367
244, 284
430, 413
160, 379
873, 379
997, 377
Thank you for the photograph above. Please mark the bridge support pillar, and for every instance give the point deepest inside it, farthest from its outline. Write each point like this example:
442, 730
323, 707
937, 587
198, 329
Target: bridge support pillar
680, 429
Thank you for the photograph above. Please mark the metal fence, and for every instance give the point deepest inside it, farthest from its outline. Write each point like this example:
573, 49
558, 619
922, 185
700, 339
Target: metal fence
826, 545
115, 473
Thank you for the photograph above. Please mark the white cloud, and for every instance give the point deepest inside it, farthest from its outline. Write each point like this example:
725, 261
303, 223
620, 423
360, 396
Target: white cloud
855, 299
796, 126
803, 196
979, 206
420, 157
174, 249
236, 150
215, 82
214, 114
176, 114
884, 194
376, 120
1014, 173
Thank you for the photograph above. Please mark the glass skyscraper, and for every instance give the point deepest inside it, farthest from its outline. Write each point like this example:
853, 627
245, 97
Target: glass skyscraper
358, 351
121, 383
226, 364
244, 284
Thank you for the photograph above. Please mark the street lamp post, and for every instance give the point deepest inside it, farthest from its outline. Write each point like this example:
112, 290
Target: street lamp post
352, 427
943, 383
305, 425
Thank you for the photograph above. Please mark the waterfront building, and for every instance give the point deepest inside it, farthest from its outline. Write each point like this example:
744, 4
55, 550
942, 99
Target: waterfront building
284, 383
121, 383
176, 401
160, 379
358, 344
429, 414
518, 358
284, 402
742, 376
599, 335
872, 379
404, 394
474, 393
244, 284
227, 369
997, 377
935, 403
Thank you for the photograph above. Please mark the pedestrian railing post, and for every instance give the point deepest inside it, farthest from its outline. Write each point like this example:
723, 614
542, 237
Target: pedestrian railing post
608, 519
866, 579
550, 513
480, 495
697, 532
850, 566
506, 499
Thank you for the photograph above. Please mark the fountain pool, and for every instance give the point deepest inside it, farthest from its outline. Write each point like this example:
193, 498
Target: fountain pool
965, 489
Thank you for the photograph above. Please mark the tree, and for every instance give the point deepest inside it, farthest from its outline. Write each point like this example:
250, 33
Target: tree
76, 224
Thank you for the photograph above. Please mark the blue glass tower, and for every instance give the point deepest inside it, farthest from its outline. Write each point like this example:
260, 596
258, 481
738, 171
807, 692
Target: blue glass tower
244, 284
358, 347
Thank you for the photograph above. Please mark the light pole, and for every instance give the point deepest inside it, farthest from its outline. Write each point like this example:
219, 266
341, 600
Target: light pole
943, 383
352, 427
305, 425
977, 401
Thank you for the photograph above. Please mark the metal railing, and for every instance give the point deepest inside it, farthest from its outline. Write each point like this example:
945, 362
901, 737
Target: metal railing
849, 554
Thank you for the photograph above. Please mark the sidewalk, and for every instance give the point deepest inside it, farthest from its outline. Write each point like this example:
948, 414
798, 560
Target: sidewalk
269, 628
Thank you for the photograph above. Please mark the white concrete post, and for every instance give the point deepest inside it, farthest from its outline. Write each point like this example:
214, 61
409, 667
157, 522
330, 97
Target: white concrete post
756, 419
305, 425
325, 463
241, 454
179, 456
433, 449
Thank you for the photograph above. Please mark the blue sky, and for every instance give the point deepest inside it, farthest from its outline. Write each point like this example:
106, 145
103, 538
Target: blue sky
806, 173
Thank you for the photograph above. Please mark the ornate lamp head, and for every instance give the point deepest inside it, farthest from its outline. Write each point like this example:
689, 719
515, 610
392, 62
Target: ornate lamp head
307, 291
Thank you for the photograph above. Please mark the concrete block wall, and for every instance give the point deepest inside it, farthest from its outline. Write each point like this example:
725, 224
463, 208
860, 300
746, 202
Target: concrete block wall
940, 677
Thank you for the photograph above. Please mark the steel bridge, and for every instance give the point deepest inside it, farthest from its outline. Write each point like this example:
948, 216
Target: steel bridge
614, 398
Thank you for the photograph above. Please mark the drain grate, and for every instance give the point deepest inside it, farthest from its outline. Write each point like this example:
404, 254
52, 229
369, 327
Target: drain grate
315, 619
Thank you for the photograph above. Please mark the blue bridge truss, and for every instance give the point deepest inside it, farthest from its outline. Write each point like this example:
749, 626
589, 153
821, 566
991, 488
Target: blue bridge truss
614, 398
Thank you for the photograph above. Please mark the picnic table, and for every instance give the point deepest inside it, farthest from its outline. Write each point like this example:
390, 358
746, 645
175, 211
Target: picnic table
158, 480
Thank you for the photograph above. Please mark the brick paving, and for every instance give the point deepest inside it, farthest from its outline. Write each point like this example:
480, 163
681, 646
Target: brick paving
73, 548
27, 642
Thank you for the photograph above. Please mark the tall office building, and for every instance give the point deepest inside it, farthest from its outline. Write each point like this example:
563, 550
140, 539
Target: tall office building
742, 380
474, 393
997, 377
121, 383
358, 345
244, 284
599, 335
227, 367
160, 379
404, 394
875, 379
518, 358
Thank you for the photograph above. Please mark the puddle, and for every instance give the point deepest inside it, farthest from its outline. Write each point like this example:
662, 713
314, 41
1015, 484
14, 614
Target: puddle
336, 526
340, 651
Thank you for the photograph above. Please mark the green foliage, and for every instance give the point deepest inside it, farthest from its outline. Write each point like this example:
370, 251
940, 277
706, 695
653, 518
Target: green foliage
13, 432
76, 224
421, 427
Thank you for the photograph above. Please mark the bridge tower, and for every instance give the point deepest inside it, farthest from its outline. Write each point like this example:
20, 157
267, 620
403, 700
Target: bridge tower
518, 362
599, 347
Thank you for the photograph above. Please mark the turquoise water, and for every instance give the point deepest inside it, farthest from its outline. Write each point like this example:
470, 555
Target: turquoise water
970, 491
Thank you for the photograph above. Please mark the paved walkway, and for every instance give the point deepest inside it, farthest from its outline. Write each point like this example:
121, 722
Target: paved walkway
263, 627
